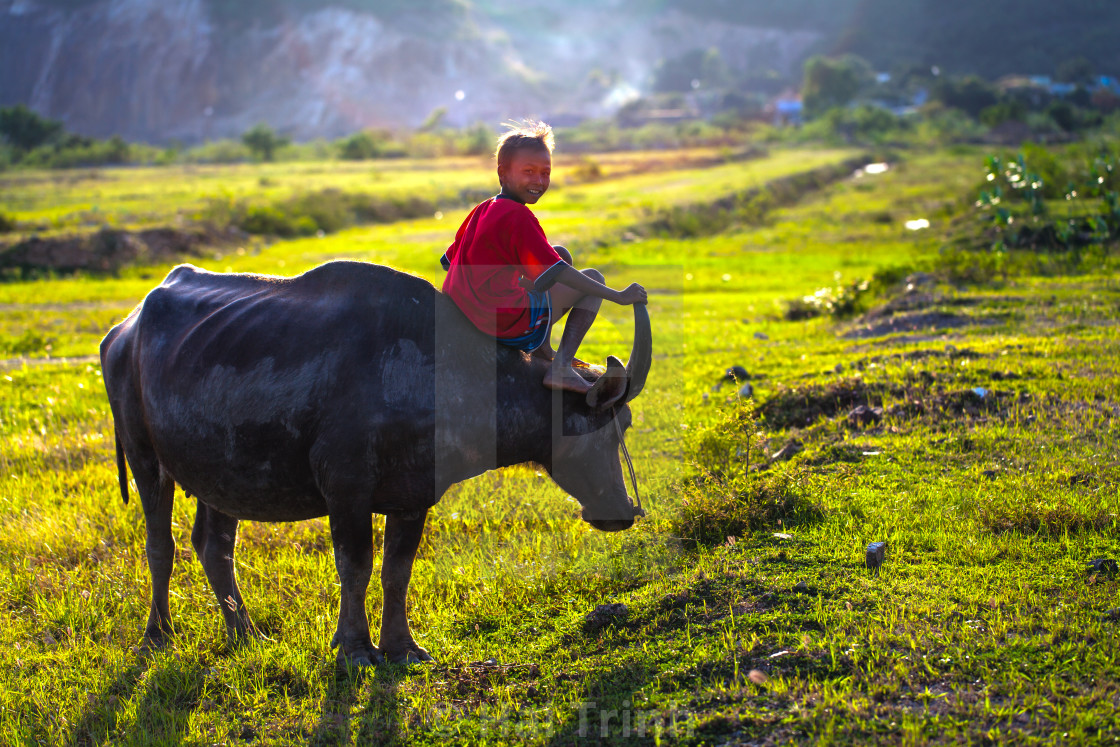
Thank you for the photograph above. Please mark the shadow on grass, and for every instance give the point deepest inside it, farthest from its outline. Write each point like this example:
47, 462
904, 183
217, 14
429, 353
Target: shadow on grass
171, 692
378, 721
611, 712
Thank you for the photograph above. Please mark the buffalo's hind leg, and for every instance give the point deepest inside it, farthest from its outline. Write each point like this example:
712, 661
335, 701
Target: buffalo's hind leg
214, 536
157, 495
352, 536
402, 538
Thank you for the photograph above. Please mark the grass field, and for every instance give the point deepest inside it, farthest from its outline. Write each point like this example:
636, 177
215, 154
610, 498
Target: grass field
985, 455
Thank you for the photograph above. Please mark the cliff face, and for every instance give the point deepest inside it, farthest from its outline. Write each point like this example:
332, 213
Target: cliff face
158, 70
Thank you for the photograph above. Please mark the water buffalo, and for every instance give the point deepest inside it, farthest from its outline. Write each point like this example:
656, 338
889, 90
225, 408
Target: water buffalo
349, 390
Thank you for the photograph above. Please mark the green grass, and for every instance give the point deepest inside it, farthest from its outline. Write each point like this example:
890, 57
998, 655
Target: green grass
750, 616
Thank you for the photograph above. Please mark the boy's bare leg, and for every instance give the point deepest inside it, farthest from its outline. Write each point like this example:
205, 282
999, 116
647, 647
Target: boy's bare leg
545, 351
561, 374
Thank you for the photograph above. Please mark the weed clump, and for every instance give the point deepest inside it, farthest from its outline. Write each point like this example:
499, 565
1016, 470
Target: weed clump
1039, 517
713, 511
723, 498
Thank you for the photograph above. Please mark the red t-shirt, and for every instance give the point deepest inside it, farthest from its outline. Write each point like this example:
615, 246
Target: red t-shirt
500, 242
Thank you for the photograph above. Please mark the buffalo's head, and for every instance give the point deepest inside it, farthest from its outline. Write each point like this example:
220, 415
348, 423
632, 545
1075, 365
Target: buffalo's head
585, 453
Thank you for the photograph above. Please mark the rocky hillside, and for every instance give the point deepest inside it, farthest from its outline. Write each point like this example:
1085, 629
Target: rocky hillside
161, 70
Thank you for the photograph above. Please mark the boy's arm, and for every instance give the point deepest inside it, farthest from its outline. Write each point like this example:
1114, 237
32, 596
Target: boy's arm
576, 280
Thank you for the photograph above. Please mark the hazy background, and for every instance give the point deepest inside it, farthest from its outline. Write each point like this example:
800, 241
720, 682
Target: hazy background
194, 70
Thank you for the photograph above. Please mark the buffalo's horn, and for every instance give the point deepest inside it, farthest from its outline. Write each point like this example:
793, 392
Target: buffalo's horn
637, 367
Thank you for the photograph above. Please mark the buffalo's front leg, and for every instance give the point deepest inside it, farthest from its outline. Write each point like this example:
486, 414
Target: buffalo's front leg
213, 537
402, 538
353, 557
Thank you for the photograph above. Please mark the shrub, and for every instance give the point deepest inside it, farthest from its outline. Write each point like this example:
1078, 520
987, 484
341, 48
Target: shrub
218, 151
327, 209
7, 223
587, 170
368, 144
271, 220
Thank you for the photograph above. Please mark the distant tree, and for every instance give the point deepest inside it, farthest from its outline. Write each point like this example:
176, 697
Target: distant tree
263, 142
25, 130
1076, 70
830, 83
970, 94
434, 120
1063, 114
1007, 110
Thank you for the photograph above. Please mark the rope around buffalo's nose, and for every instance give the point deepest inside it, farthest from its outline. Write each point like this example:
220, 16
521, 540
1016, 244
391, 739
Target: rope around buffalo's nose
629, 465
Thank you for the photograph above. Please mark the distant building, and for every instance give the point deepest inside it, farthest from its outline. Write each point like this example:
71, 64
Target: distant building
785, 109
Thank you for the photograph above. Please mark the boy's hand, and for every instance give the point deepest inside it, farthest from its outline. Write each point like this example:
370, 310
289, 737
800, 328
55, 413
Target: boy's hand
632, 295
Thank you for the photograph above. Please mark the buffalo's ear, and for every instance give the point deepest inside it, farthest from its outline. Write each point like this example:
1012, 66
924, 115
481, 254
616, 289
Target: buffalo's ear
610, 387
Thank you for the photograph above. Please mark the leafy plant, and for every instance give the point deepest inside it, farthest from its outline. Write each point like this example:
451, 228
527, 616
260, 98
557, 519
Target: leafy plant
1018, 199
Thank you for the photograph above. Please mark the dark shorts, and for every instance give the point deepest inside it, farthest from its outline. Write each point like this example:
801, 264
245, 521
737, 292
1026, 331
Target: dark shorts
540, 312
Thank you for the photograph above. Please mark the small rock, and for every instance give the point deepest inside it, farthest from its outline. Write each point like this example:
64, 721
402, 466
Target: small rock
839, 368
791, 447
1113, 614
1107, 566
875, 555
801, 588
736, 374
761, 336
746, 390
864, 415
758, 677
783, 536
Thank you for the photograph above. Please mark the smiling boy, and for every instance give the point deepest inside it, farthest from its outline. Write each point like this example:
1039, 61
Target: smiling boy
510, 281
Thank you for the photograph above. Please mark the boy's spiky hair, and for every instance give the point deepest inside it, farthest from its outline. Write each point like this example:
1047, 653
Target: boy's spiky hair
523, 136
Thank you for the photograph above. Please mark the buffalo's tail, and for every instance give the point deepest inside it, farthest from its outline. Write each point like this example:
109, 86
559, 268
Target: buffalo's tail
122, 468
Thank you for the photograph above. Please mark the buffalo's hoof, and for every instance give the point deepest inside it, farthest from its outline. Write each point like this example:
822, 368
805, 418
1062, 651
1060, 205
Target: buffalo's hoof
411, 655
360, 657
155, 639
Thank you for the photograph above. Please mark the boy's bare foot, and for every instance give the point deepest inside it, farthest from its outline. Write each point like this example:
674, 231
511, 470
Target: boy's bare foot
566, 379
544, 352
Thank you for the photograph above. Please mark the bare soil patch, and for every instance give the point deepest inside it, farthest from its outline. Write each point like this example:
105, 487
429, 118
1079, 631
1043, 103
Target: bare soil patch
918, 321
109, 249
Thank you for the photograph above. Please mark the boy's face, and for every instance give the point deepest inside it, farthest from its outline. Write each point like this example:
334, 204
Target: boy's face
527, 175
